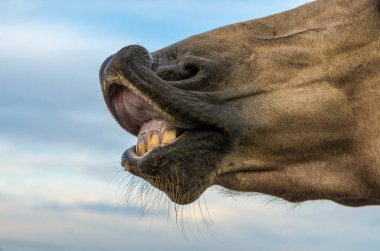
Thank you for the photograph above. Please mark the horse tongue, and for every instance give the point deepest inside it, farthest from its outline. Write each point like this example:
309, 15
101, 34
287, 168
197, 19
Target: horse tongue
154, 133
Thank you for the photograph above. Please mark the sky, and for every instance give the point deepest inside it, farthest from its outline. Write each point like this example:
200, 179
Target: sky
61, 183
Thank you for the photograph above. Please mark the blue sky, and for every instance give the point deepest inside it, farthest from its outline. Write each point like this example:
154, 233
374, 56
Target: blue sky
61, 185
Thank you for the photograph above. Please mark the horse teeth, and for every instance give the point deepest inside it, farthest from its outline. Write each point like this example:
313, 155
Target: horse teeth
168, 136
153, 140
141, 147
149, 140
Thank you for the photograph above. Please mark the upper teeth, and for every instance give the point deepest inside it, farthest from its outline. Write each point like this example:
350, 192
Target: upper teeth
154, 133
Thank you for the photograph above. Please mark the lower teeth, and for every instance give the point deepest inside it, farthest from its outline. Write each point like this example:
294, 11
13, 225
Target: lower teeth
154, 133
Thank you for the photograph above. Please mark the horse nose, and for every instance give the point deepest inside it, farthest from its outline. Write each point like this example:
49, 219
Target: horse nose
103, 66
129, 56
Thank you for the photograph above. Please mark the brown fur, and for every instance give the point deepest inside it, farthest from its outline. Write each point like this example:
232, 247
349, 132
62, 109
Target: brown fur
296, 96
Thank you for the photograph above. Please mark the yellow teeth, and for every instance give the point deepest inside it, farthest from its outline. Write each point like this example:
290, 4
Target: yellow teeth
168, 136
141, 148
153, 140
149, 140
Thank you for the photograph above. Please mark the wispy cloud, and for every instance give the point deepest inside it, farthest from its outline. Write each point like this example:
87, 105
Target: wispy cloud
50, 88
4, 146
41, 39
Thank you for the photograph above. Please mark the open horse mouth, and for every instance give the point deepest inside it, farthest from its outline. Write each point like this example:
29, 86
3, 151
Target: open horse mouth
285, 105
137, 117
175, 129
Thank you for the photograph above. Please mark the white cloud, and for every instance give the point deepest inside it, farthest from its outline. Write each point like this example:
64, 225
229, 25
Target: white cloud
4, 146
40, 172
18, 7
50, 191
41, 39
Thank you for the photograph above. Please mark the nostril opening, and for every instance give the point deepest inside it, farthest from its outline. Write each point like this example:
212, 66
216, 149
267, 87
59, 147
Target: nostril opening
168, 74
176, 73
191, 69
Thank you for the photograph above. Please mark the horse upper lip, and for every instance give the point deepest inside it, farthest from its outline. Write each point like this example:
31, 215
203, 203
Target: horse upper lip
129, 110
130, 67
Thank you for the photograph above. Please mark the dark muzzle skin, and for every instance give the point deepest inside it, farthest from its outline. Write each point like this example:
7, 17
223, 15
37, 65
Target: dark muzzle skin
287, 105
146, 97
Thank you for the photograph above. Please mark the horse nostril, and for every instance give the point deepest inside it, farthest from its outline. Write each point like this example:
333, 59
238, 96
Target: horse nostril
177, 72
188, 72
191, 69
